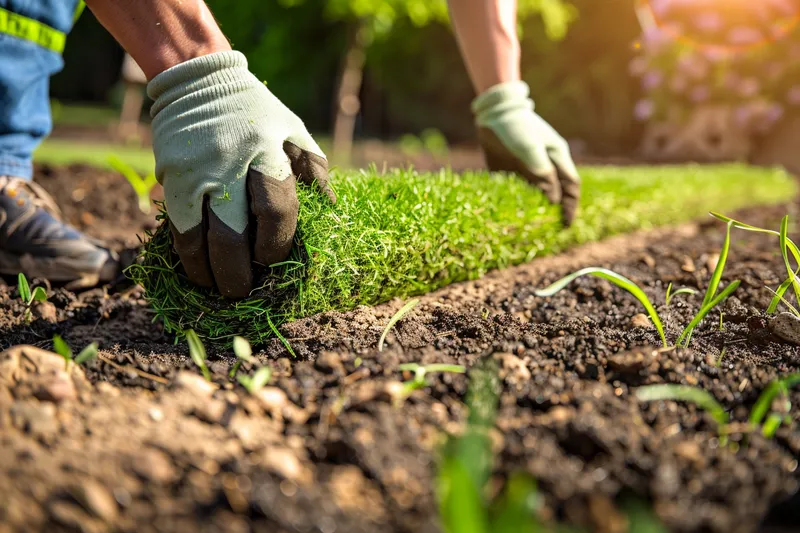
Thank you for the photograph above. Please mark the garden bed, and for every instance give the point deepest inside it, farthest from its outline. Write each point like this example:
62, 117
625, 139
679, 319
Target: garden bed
146, 448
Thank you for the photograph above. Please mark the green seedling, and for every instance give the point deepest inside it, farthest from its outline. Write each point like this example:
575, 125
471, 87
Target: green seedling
197, 352
718, 362
421, 372
243, 352
618, 280
84, 356
669, 295
411, 304
787, 247
764, 405
697, 396
142, 185
713, 296
257, 381
38, 294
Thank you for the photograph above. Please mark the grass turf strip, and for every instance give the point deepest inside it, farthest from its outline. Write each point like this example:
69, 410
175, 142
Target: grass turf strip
406, 233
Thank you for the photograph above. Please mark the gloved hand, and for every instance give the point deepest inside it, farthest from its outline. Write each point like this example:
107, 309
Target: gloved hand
228, 153
515, 139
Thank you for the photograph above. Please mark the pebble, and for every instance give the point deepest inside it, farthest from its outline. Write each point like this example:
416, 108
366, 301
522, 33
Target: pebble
96, 499
45, 311
37, 419
211, 411
640, 321
787, 327
630, 362
330, 363
194, 384
57, 387
153, 465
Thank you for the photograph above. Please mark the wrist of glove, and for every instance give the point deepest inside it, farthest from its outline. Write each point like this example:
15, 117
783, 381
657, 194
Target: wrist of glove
515, 139
228, 154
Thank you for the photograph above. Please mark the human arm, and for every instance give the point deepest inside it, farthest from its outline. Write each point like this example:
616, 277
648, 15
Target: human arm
513, 137
227, 151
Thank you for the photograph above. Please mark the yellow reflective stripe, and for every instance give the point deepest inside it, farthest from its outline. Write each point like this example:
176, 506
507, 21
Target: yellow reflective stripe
78, 10
32, 30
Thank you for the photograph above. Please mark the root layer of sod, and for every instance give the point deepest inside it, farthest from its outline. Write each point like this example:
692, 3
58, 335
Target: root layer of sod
405, 233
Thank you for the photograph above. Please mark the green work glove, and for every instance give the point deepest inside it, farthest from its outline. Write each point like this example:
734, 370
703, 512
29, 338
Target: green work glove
515, 139
228, 153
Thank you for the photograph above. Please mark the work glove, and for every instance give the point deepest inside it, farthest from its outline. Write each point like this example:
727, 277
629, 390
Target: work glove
228, 154
515, 139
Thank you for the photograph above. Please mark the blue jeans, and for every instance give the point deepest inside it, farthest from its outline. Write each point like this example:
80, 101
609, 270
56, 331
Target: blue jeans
25, 70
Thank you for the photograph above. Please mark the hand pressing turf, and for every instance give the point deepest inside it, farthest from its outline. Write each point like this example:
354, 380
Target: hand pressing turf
228, 154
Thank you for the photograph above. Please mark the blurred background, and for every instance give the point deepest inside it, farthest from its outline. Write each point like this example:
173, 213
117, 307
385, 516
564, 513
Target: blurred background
382, 81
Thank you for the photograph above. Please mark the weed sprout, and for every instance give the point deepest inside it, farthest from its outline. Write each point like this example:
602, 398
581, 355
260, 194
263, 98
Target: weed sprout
411, 304
61, 347
669, 295
419, 380
142, 185
27, 296
197, 352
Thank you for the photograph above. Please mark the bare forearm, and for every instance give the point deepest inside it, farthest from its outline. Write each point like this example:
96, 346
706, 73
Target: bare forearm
486, 31
160, 34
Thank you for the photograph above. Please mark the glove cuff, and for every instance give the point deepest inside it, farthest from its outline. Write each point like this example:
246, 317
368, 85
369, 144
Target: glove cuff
220, 68
500, 99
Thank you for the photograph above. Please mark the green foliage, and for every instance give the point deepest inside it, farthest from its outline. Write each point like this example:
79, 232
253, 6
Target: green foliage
142, 185
419, 380
686, 334
669, 294
38, 294
697, 396
618, 280
404, 233
257, 381
84, 356
395, 318
764, 405
787, 247
197, 352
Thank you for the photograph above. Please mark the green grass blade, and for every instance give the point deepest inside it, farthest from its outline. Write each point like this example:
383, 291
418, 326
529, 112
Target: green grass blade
686, 335
140, 185
713, 285
642, 518
280, 337
616, 279
24, 288
764, 402
697, 396
461, 506
261, 377
779, 292
684, 290
784, 240
411, 304
87, 354
242, 349
61, 347
780, 298
39, 294
197, 352
774, 421
515, 512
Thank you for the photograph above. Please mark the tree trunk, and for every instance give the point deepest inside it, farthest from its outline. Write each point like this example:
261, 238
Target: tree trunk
347, 99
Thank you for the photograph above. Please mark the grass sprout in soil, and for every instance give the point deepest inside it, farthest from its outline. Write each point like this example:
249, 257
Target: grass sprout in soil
406, 233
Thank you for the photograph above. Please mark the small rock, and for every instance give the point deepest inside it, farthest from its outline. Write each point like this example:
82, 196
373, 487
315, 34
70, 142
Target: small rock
96, 499
194, 384
787, 327
272, 400
688, 265
211, 411
711, 262
285, 463
37, 419
630, 362
330, 363
153, 465
155, 414
689, 450
45, 311
69, 515
640, 321
57, 387
648, 260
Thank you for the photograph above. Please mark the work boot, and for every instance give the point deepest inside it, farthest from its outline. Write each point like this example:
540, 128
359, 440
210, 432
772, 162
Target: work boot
34, 241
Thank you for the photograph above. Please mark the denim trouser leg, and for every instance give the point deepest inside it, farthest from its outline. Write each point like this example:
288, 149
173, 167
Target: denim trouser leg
25, 70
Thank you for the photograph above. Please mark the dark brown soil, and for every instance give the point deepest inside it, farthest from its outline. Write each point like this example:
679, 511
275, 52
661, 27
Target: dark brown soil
142, 444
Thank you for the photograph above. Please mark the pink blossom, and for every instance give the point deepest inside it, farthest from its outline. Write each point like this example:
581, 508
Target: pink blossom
652, 80
637, 66
715, 54
793, 95
699, 94
749, 87
644, 109
744, 35
693, 65
708, 21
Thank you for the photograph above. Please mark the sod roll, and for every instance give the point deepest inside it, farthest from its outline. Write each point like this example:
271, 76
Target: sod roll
406, 233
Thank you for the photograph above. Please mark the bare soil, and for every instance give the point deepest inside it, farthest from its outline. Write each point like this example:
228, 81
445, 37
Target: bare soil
136, 441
